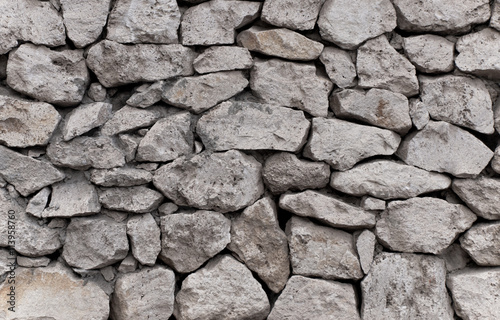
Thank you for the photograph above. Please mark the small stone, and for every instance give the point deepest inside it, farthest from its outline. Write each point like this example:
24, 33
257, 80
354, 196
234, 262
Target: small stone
148, 166
379, 65
300, 300
132, 199
167, 208
388, 179
97, 92
342, 144
144, 236
28, 262
292, 14
130, 118
495, 15
430, 53
409, 226
495, 162
348, 24
120, 177
57, 223
419, 114
117, 216
370, 203
480, 195
223, 58
129, 264
106, 60
108, 273
57, 77
38, 202
291, 84
339, 66
365, 245
481, 242
455, 258
146, 95
128, 144
85, 118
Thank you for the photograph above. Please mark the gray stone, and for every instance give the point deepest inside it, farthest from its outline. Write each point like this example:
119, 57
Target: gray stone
190, 239
6, 258
379, 65
370, 203
339, 66
419, 114
481, 242
252, 126
223, 58
348, 24
129, 264
85, 118
430, 53
225, 182
116, 64
167, 208
146, 95
342, 144
58, 223
144, 236
455, 258
128, 144
132, 199
406, 286
28, 262
365, 246
291, 84
387, 179
480, 195
292, 14
439, 146
410, 225
108, 273
495, 15
38, 203
120, 177
57, 77
306, 298
478, 53
97, 92
495, 162
130, 118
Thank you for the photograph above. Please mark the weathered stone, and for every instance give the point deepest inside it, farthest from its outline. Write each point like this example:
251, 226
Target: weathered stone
319, 251
116, 64
223, 58
167, 208
481, 242
120, 177
282, 43
97, 92
342, 144
454, 257
168, 139
144, 21
214, 22
495, 162
439, 146
146, 95
252, 126
495, 15
419, 114
130, 118
57, 223
225, 182
84, 20
30, 21
370, 203
439, 16
339, 66
85, 118
348, 24
475, 293
28, 262
406, 286
260, 243
26, 174
223, 289
148, 294
388, 179
430, 53
327, 209
144, 236
129, 264
365, 246
55, 293
200, 93
292, 14
189, 240
379, 65
381, 108
5, 261
95, 242
108, 273
283, 171
57, 77
301, 300
480, 195
409, 226
38, 202
133, 199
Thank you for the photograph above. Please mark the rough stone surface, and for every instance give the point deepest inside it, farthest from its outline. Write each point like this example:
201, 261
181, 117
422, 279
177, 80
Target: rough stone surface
97, 92
339, 66
223, 58
495, 15
370, 203
133, 199
28, 262
419, 114
85, 118
129, 264
430, 53
144, 236
342, 144
365, 245
292, 14
120, 177
130, 118
478, 53
455, 258
480, 195
146, 95
38, 203
481, 242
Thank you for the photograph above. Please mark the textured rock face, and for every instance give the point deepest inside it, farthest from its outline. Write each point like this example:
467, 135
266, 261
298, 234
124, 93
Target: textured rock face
85, 118
120, 177
430, 53
365, 245
481, 243
495, 15
339, 66
480, 195
223, 58
144, 236
129, 118
479, 59
292, 14
38, 202
133, 199
146, 95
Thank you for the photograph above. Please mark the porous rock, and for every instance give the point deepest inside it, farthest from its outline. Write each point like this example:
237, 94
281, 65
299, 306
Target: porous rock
418, 113
132, 199
97, 92
480, 195
339, 66
481, 242
223, 58
120, 177
146, 95
292, 14
144, 236
455, 257
478, 53
130, 118
430, 53
85, 118
37, 204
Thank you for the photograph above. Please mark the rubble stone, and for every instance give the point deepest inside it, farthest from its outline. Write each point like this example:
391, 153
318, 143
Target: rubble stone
481, 242
85, 118
130, 118
132, 199
365, 245
144, 236
480, 195
430, 53
38, 203
292, 14
339, 66
478, 53
223, 58
120, 177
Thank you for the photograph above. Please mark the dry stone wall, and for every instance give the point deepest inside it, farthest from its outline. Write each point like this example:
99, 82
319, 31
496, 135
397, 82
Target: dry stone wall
249, 160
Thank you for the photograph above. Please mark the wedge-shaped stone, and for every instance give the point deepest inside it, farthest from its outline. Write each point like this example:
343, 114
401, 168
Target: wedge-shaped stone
418, 113
480, 195
225, 182
85, 118
455, 258
120, 177
130, 118
116, 64
291, 84
252, 126
223, 58
342, 144
339, 66
366, 242
292, 14
406, 286
430, 53
38, 202
144, 236
327, 209
439, 146
146, 95
133, 199
410, 225
478, 53
481, 242
388, 179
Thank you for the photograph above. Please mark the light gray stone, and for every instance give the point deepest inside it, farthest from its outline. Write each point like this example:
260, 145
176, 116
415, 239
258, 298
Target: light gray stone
167, 208
129, 264
108, 273
97, 92
223, 58
120, 177
370, 203
132, 199
128, 144
144, 236
339, 66
480, 195
478, 53
28, 262
455, 258
292, 14
37, 204
291, 84
481, 242
130, 118
7, 257
430, 53
342, 144
85, 118
495, 15
365, 246
419, 114
146, 95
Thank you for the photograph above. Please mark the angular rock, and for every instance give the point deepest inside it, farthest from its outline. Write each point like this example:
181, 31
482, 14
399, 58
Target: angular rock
84, 20
381, 108
388, 179
148, 294
252, 126
120, 177
260, 243
283, 171
300, 300
339, 66
97, 92
365, 245
291, 84
481, 242
319, 251
38, 203
32, 262
430, 53
495, 15
26, 123
480, 195
214, 22
225, 182
116, 64
145, 239
85, 118
327, 209
144, 21
130, 118
409, 226
379, 65
132, 199
223, 58
292, 14
200, 93
348, 24
190, 239
342, 144
146, 95
406, 286
419, 114
455, 258
57, 77
370, 203
95, 242
439, 147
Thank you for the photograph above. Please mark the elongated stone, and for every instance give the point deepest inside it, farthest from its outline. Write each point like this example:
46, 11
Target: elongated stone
85, 118
292, 14
130, 118
146, 95
223, 58
120, 177
133, 199
144, 236
480, 195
